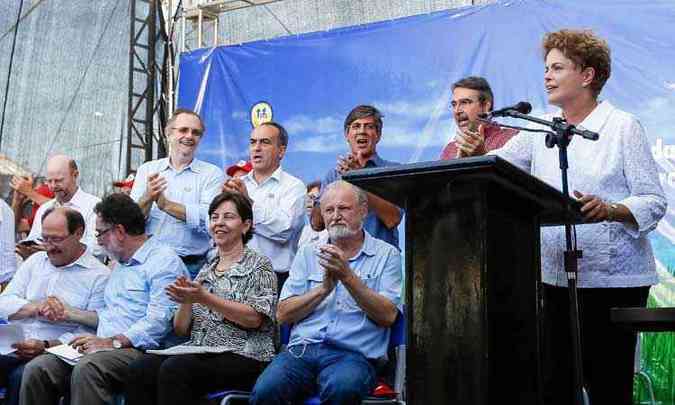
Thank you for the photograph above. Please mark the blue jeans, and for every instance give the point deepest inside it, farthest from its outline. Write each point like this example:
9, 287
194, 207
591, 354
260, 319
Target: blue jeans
341, 376
11, 371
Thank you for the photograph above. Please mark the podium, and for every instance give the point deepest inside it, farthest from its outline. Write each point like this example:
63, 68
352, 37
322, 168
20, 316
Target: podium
472, 276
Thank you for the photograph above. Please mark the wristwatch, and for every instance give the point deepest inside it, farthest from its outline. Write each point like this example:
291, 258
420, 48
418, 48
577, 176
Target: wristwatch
611, 212
116, 344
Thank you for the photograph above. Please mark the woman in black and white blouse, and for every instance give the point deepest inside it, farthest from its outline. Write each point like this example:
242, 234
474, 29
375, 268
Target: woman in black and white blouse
230, 306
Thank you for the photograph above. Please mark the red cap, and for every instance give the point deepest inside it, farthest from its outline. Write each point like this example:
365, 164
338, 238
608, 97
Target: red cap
128, 182
240, 165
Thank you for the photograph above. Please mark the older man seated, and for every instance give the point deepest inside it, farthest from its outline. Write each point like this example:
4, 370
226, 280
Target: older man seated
135, 315
342, 297
66, 271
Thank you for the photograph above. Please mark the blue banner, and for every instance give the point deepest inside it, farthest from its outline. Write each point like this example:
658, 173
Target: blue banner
405, 68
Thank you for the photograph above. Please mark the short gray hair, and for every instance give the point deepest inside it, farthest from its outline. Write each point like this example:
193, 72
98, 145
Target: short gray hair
361, 195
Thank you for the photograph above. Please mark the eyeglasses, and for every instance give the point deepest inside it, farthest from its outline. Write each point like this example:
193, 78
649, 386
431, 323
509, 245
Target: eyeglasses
357, 126
187, 130
464, 102
98, 233
54, 240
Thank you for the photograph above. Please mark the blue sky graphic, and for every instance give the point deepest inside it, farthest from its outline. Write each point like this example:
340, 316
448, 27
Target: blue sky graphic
405, 67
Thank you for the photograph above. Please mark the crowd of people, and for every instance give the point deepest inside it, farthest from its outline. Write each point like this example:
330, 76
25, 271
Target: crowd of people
190, 254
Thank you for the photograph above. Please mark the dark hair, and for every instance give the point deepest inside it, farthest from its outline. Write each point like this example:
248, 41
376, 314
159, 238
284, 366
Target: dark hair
73, 165
243, 206
585, 49
120, 209
283, 134
178, 112
480, 85
74, 220
364, 111
314, 184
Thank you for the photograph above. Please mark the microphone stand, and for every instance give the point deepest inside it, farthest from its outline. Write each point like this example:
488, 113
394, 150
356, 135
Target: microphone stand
561, 136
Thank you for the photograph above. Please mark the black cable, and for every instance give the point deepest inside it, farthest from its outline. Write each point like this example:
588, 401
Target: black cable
9, 73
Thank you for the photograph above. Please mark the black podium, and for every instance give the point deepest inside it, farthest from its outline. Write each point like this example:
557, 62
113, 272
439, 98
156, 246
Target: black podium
472, 276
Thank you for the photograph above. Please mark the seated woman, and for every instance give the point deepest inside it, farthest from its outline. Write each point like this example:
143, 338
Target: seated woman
229, 305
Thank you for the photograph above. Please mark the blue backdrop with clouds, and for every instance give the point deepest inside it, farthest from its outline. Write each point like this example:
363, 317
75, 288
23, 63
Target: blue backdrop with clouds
405, 68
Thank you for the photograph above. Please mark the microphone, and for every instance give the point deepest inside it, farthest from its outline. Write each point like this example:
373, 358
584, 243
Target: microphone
523, 107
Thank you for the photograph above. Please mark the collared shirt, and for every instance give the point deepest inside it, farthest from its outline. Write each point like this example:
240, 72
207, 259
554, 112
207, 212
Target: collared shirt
194, 187
278, 210
495, 138
372, 223
136, 304
252, 282
81, 202
338, 320
79, 284
7, 242
618, 167
309, 235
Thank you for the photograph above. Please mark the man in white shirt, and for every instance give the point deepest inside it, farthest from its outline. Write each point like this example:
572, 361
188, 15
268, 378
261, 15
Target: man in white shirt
7, 257
278, 198
175, 192
62, 175
66, 271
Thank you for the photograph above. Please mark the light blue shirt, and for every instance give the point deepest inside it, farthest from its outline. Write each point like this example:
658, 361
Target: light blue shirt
136, 304
338, 320
194, 186
79, 284
618, 167
372, 223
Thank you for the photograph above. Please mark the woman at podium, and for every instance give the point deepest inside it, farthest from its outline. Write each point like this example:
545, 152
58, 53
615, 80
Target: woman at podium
616, 180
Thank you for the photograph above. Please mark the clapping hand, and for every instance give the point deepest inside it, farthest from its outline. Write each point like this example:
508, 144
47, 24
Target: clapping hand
184, 291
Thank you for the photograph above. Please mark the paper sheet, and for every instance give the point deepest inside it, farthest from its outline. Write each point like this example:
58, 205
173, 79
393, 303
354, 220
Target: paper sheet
10, 334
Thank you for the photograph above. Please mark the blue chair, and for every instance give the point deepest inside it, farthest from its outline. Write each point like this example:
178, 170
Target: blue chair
396, 343
3, 391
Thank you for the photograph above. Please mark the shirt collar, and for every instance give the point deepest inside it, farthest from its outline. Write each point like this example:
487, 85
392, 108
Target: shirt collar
75, 201
375, 161
86, 260
141, 254
164, 164
598, 117
368, 248
276, 175
238, 269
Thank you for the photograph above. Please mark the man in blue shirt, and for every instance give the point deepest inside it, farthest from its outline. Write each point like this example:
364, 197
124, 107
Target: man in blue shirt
136, 314
363, 130
342, 297
175, 192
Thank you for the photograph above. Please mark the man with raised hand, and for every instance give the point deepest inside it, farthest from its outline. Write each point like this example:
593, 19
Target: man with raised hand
341, 297
175, 192
363, 131
278, 198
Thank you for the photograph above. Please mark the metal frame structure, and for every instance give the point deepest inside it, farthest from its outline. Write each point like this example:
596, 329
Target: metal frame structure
152, 82
147, 113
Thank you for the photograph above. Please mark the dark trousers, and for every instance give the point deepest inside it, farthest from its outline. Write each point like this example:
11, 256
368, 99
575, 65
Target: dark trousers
11, 370
183, 379
608, 350
281, 279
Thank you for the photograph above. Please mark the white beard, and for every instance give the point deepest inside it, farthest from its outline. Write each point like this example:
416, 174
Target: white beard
340, 231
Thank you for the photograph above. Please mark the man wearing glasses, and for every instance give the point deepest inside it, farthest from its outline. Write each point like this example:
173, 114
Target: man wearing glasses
65, 272
175, 192
472, 96
363, 130
136, 313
